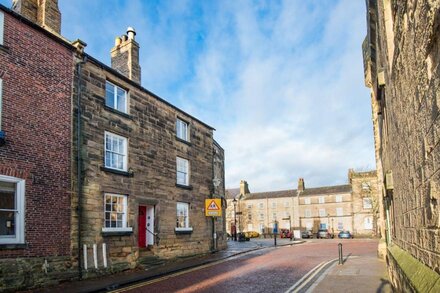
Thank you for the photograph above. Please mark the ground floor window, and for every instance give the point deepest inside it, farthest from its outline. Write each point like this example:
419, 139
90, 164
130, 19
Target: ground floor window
340, 226
182, 220
323, 226
11, 210
261, 228
250, 227
115, 212
368, 223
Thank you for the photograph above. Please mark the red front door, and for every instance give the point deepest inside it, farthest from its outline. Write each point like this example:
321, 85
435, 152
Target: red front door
142, 221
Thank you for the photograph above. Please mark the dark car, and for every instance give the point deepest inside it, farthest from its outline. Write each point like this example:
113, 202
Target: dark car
345, 234
242, 237
324, 233
307, 234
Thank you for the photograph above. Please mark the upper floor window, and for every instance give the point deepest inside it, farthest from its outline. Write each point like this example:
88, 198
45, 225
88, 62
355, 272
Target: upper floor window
338, 198
286, 204
249, 206
11, 210
261, 205
339, 211
115, 151
182, 171
274, 204
249, 216
367, 203
182, 129
115, 97
261, 216
322, 213
307, 213
307, 201
366, 186
115, 213
321, 199
2, 25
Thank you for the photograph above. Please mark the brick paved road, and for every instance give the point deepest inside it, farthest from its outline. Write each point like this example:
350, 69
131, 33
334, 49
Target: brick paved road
265, 270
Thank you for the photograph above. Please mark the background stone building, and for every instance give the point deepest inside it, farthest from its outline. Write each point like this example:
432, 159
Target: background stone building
344, 207
401, 66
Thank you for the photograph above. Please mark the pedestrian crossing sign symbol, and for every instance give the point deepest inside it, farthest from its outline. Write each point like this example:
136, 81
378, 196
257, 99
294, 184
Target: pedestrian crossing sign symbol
213, 207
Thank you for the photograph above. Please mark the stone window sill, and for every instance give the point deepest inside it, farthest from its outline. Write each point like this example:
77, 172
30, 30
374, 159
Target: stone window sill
114, 171
183, 230
13, 246
4, 48
187, 187
117, 231
184, 141
125, 115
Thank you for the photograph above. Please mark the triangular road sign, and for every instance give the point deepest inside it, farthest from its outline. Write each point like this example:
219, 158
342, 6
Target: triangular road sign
213, 206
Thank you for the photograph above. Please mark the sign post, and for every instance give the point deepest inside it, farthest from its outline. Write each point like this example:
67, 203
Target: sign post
213, 207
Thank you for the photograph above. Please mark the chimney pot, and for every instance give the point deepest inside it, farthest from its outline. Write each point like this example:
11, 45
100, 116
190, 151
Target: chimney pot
131, 33
117, 41
124, 38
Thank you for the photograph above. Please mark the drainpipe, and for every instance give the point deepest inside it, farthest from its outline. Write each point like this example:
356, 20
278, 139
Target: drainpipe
214, 235
79, 159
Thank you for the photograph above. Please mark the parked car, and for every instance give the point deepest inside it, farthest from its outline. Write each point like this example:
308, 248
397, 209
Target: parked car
242, 237
252, 234
324, 233
345, 234
307, 234
285, 233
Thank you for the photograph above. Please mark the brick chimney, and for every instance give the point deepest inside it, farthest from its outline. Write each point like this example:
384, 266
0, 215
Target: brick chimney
244, 188
42, 12
301, 185
125, 56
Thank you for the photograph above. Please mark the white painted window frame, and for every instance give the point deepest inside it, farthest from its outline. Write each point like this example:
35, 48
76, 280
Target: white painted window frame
115, 97
338, 198
261, 205
125, 227
19, 211
339, 211
321, 199
367, 203
308, 213
322, 213
307, 200
184, 170
182, 129
124, 154
274, 205
185, 206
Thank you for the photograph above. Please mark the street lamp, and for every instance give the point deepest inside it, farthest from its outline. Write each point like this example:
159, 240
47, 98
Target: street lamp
235, 219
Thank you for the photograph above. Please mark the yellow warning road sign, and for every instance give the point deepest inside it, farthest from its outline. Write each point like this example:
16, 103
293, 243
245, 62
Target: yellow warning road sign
213, 207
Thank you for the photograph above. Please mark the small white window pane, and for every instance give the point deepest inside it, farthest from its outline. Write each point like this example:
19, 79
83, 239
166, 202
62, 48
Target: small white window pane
110, 95
121, 99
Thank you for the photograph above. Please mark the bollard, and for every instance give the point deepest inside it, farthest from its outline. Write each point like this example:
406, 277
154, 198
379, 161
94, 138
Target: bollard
275, 238
341, 262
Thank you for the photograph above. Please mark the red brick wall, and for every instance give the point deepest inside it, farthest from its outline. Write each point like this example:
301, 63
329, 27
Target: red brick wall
37, 77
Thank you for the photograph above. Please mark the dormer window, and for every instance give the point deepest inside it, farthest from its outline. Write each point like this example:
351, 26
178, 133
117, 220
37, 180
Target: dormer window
182, 130
115, 97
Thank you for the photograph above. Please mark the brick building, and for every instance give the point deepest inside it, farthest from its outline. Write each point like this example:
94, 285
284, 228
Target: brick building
35, 154
401, 57
106, 176
350, 207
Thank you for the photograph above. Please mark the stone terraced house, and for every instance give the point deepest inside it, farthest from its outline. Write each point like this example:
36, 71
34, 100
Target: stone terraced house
97, 174
352, 207
401, 67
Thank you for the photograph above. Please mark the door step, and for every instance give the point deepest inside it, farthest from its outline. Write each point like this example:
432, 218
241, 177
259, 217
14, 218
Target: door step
150, 261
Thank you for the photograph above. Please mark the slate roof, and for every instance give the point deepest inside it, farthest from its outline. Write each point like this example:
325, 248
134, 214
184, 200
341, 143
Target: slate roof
293, 192
232, 192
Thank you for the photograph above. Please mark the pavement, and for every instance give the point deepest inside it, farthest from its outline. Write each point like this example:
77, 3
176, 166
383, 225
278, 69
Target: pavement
360, 274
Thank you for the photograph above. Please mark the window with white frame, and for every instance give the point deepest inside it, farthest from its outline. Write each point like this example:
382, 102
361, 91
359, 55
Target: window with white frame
322, 213
182, 222
321, 199
115, 213
368, 223
309, 226
115, 152
307, 201
182, 171
249, 206
2, 25
261, 205
274, 205
286, 204
12, 192
307, 213
182, 129
367, 203
340, 226
115, 97
339, 211
249, 216
274, 216
338, 198
261, 216
366, 186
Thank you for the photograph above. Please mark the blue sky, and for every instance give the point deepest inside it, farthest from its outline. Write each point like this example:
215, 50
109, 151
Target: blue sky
281, 81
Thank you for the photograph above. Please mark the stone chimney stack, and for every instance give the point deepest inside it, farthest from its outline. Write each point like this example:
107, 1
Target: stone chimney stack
244, 188
42, 12
125, 56
301, 185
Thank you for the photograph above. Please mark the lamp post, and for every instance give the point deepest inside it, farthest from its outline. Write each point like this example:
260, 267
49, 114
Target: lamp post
235, 219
